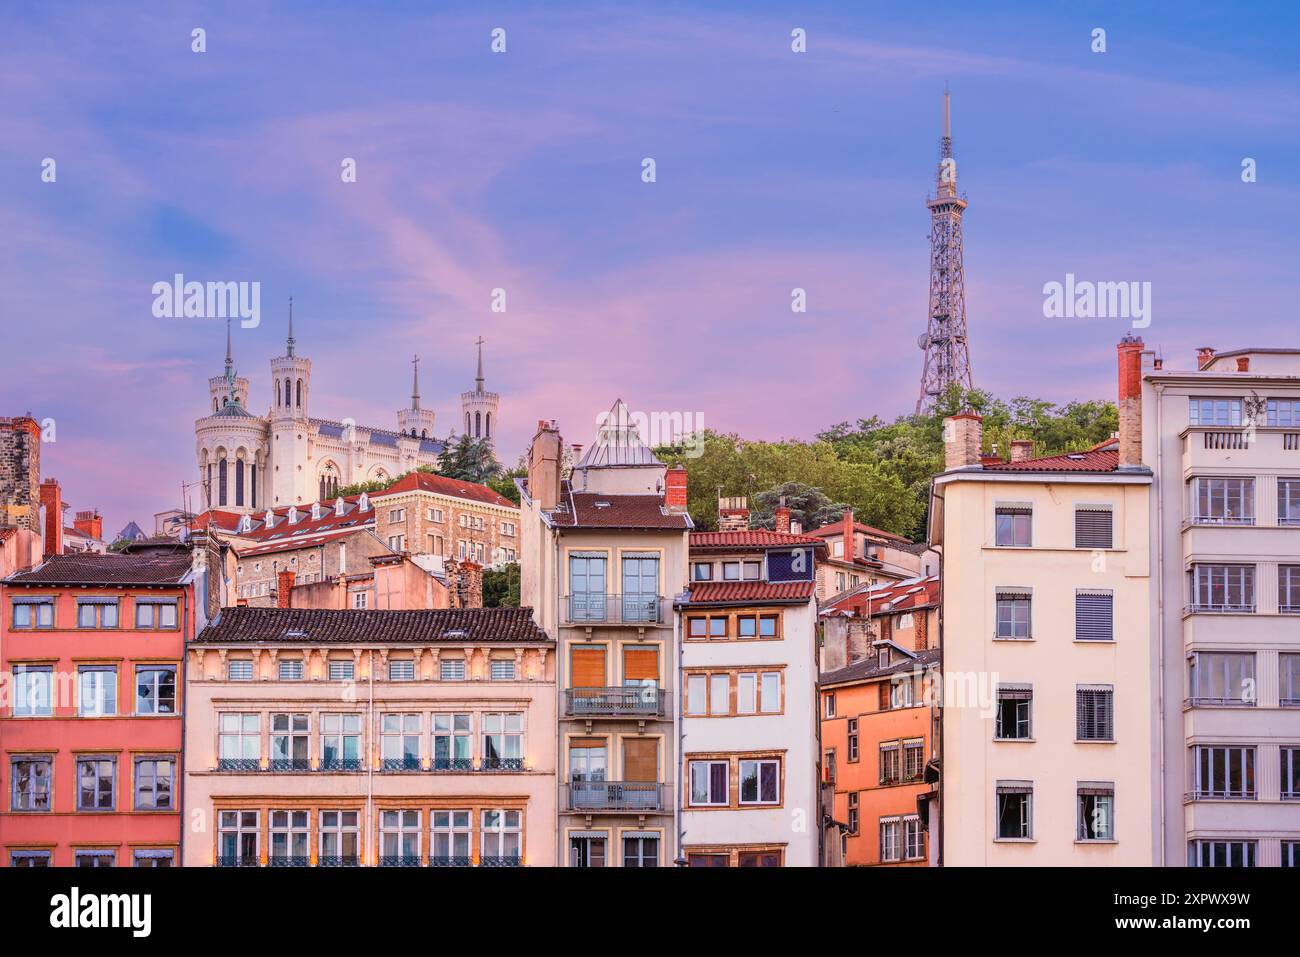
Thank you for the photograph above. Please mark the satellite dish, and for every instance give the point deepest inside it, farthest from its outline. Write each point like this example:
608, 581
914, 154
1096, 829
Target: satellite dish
923, 340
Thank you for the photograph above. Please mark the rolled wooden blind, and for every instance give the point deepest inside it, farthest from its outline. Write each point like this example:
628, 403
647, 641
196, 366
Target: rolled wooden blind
1093, 528
640, 759
587, 667
640, 664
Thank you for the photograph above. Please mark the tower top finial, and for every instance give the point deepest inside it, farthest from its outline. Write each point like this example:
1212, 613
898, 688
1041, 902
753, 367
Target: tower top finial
289, 341
230, 368
478, 382
415, 383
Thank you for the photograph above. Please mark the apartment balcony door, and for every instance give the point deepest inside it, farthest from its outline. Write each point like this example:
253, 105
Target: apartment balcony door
641, 668
587, 579
641, 588
588, 761
586, 851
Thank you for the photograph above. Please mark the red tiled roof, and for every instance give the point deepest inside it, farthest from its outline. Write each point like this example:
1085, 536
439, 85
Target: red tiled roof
901, 596
598, 510
221, 519
6, 531
754, 538
710, 593
869, 667
440, 484
248, 625
305, 540
157, 567
1102, 460
835, 528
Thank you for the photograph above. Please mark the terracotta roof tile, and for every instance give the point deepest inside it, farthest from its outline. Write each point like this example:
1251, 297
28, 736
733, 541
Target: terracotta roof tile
598, 510
88, 568
901, 596
758, 538
1101, 460
869, 667
440, 484
713, 593
247, 625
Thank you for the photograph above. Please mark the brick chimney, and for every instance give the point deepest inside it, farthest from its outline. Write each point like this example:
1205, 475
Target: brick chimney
90, 523
1022, 450
465, 583
963, 437
1243, 363
284, 590
782, 517
52, 502
1204, 356
544, 465
733, 514
848, 535
20, 473
1130, 401
675, 490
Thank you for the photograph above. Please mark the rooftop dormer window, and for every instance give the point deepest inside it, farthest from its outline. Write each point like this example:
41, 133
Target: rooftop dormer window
363, 503
293, 514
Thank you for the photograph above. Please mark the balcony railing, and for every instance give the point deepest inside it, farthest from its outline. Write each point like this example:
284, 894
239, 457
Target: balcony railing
600, 609
251, 861
1208, 702
453, 861
615, 796
1235, 439
501, 764
1223, 794
1221, 606
349, 860
511, 860
1221, 520
290, 764
289, 861
453, 764
239, 764
340, 764
400, 860
635, 700
405, 763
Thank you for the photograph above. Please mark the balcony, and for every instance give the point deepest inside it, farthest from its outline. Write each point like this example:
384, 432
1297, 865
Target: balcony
601, 609
1222, 794
238, 862
289, 861
615, 796
405, 763
346, 860
1221, 608
453, 861
637, 701
284, 765
511, 860
1210, 702
340, 764
452, 764
400, 860
501, 764
239, 764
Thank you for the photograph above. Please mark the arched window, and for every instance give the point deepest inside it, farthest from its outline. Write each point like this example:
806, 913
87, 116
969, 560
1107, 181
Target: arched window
288, 396
467, 432
299, 403
239, 481
489, 425
424, 433
221, 482
214, 403
252, 473
478, 424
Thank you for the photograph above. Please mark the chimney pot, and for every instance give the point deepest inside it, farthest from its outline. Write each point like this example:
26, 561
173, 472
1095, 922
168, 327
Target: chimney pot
284, 590
1022, 450
1204, 356
675, 489
782, 517
52, 500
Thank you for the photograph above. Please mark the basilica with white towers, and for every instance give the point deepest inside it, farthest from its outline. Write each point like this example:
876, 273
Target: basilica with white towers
251, 462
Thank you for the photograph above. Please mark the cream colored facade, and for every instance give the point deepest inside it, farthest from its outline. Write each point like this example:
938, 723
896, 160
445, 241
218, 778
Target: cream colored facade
1052, 764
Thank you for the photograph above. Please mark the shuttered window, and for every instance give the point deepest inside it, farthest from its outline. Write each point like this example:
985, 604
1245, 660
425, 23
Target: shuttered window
1095, 712
1094, 528
588, 667
1094, 616
640, 664
641, 759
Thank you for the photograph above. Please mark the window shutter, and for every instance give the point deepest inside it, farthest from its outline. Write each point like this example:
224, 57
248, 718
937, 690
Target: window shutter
1094, 712
640, 664
1093, 528
588, 667
640, 759
1094, 616
884, 695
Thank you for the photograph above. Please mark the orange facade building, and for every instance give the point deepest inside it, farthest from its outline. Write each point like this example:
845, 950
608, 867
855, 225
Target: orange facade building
879, 711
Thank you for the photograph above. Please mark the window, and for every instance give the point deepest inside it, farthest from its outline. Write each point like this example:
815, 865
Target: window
853, 813
95, 783
155, 778
640, 850
1290, 761
1288, 668
760, 781
290, 742
500, 837
1221, 853
890, 763
702, 571
731, 571
452, 743
1015, 713
239, 742
1013, 615
719, 694
913, 838
290, 839
853, 739
155, 689
359, 599
1223, 588
1221, 678
340, 838
290, 669
890, 832
96, 691
452, 669
95, 858
33, 613
1223, 501
829, 698
96, 612
1094, 527
697, 694
1291, 853
435, 515
709, 783
1096, 811
154, 857
1013, 526
769, 686
400, 742
1218, 411
746, 693
239, 669
341, 669
399, 837
403, 669
29, 859
1288, 501
1284, 412
503, 741
587, 574
451, 837
1015, 810
828, 762
340, 742
1223, 772
503, 670
398, 542
1288, 588
30, 779
397, 514
901, 693
767, 626
913, 759
33, 691
1094, 615
1094, 712
746, 626
155, 615
752, 571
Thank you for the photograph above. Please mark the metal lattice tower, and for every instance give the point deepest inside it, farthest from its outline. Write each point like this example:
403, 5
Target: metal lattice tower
947, 359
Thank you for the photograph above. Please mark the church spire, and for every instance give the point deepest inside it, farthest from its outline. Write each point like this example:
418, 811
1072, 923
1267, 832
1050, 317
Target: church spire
415, 384
289, 341
478, 382
230, 370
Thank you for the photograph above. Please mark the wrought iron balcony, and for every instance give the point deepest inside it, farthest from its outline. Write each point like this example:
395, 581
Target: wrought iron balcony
239, 764
453, 764
501, 764
615, 796
512, 860
289, 860
340, 764
290, 764
1203, 701
349, 860
239, 861
453, 861
1222, 794
1238, 607
600, 609
400, 860
1231, 520
405, 763
634, 701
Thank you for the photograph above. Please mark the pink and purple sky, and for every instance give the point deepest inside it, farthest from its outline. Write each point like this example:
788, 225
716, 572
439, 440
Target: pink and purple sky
522, 171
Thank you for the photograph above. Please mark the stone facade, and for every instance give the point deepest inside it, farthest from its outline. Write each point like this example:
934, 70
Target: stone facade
20, 473
430, 514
